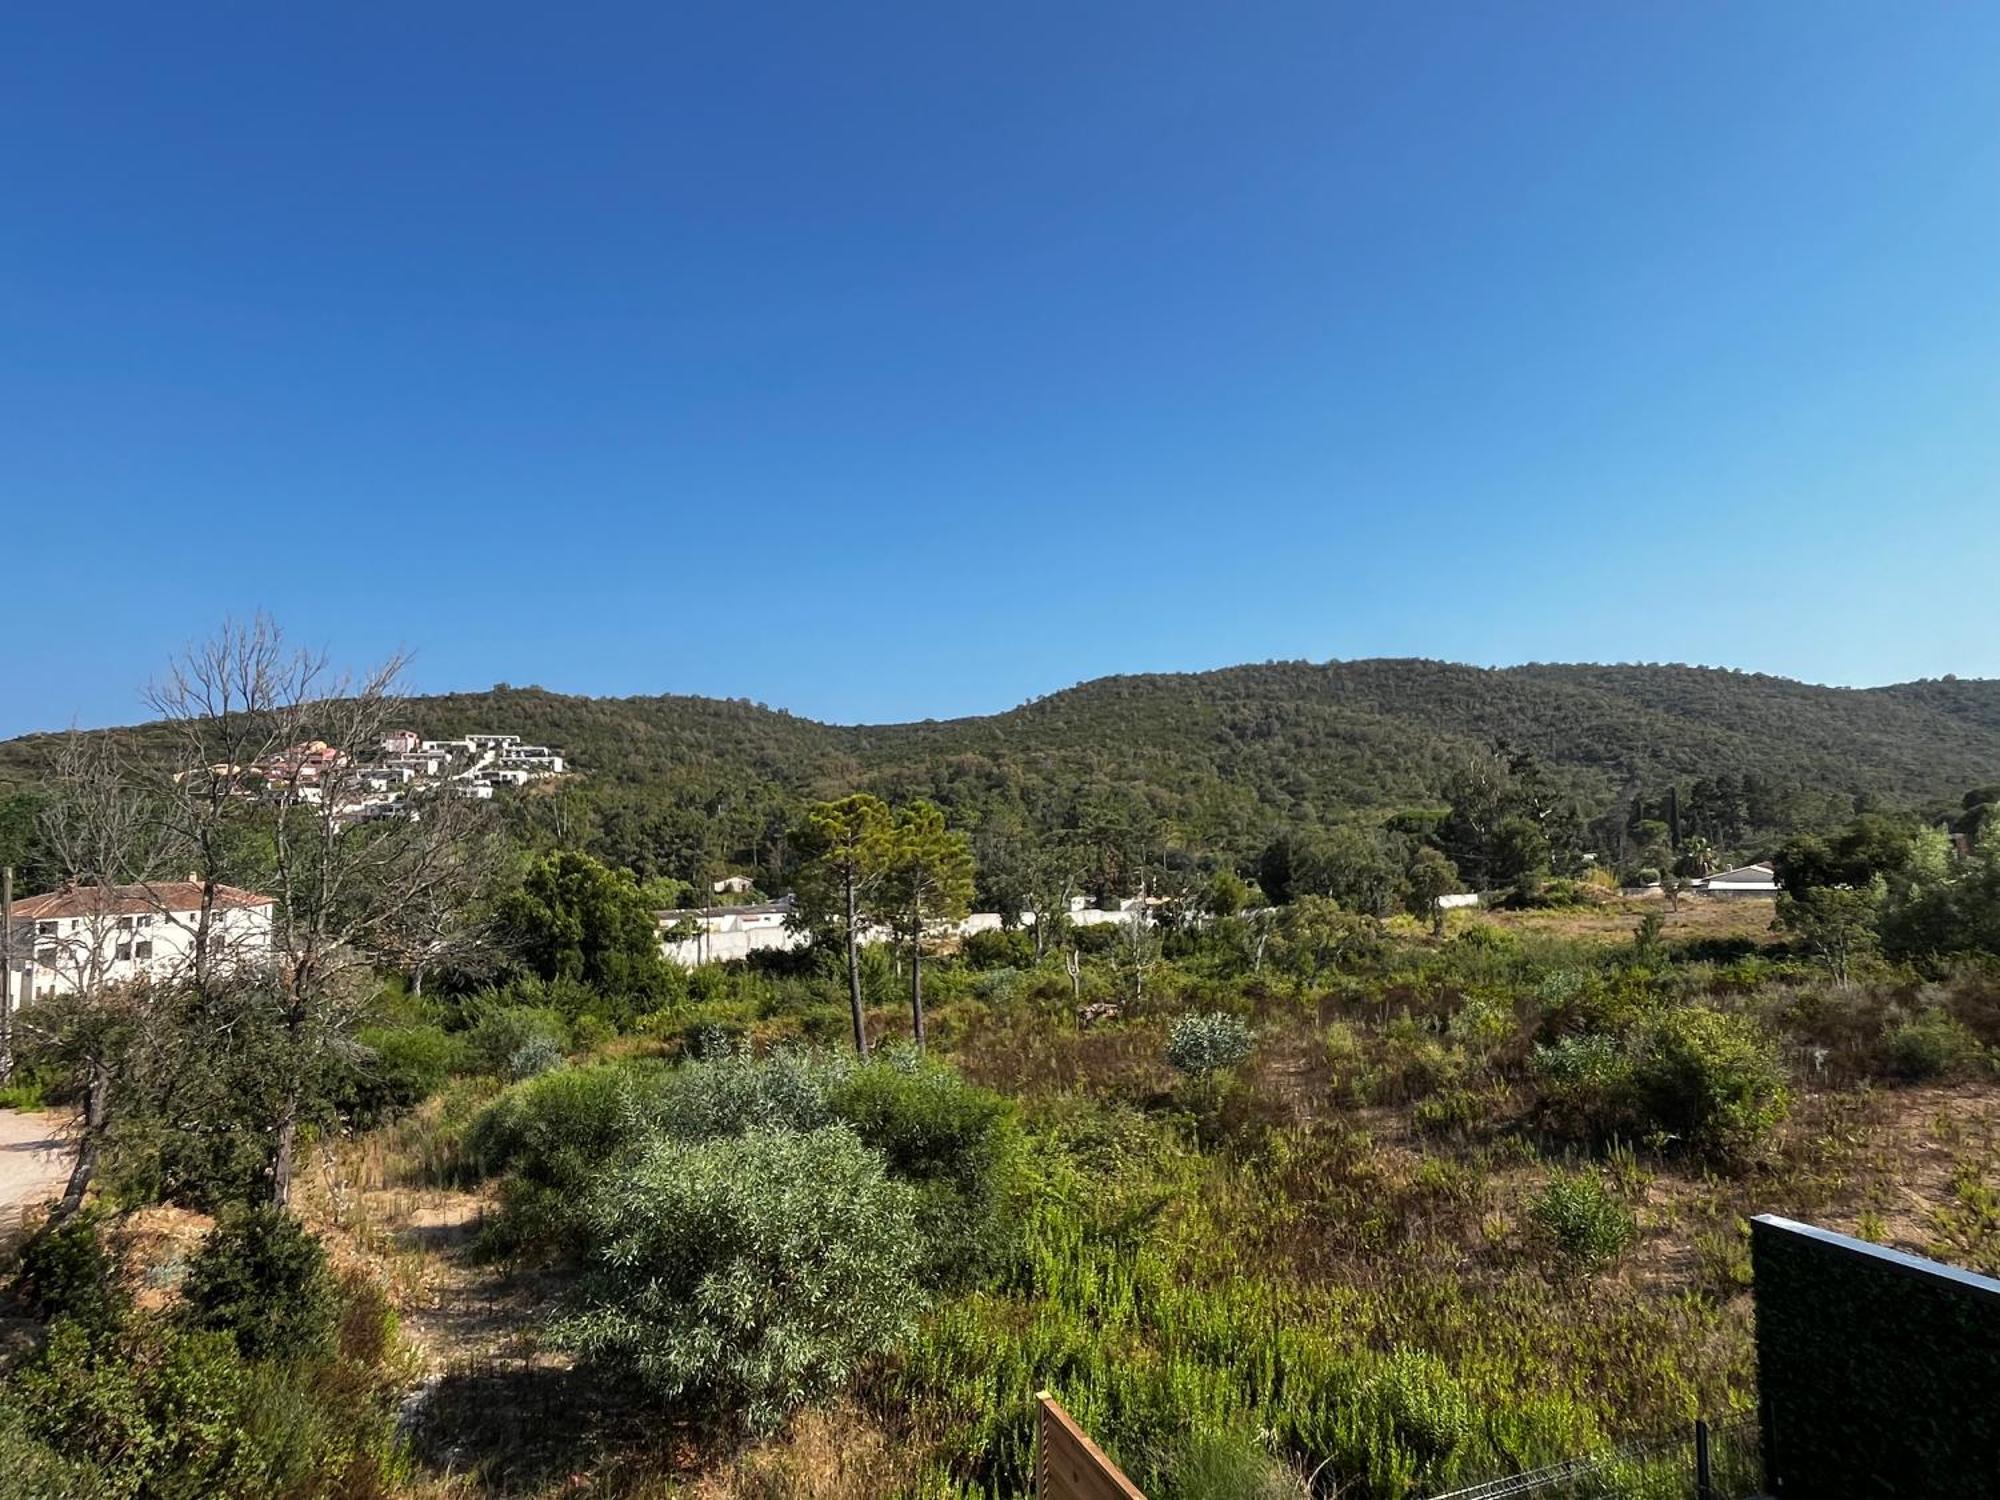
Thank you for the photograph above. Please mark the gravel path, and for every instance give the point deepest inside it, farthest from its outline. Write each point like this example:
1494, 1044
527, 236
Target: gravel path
34, 1163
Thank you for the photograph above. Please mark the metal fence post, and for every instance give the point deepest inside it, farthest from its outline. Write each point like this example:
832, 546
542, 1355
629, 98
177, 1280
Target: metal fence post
1704, 1471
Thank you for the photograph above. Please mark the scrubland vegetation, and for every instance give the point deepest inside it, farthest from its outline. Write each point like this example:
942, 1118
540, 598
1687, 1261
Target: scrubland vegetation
1454, 1207
1306, 1186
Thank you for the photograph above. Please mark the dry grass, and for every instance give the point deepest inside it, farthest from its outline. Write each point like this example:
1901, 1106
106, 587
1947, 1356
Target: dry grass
1698, 918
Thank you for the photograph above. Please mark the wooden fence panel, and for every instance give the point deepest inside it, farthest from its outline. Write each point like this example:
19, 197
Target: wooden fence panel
1069, 1466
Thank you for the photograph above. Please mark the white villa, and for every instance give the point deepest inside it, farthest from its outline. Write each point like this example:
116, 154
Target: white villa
716, 934
1745, 881
90, 935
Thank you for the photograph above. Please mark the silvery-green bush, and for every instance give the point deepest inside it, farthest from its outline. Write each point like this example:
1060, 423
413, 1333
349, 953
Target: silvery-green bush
747, 1273
1201, 1043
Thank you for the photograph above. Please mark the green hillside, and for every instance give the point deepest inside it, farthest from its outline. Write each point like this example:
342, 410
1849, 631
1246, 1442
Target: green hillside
1217, 762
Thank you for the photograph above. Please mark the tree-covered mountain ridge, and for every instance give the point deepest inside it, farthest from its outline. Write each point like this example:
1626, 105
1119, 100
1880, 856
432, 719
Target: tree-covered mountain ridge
1920, 739
1229, 755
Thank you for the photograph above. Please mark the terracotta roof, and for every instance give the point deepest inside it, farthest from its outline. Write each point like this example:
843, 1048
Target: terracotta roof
132, 900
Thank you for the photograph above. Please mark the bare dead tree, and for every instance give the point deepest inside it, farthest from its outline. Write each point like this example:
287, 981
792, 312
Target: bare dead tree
262, 784
232, 703
272, 737
100, 837
447, 925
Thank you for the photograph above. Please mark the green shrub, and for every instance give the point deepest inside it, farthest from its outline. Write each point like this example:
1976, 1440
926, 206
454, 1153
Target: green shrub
69, 1273
1425, 1412
1581, 1221
1712, 1080
397, 1068
747, 1274
1933, 1045
1202, 1043
1005, 949
728, 1095
960, 1146
84, 1400
175, 1413
1230, 1466
704, 1041
31, 1469
551, 1133
33, 1083
500, 1033
261, 1277
590, 1032
534, 1057
1585, 1084
1451, 1111
1708, 1080
1414, 1062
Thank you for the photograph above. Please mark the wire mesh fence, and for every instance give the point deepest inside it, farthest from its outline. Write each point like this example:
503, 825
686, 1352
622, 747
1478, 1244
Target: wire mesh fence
1710, 1461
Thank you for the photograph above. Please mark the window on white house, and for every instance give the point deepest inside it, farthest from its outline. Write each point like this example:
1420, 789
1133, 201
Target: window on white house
124, 953
143, 948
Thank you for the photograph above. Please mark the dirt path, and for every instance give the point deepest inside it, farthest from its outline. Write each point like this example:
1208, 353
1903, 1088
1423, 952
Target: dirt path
35, 1158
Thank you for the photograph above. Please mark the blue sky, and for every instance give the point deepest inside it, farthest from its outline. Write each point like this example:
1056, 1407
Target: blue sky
891, 361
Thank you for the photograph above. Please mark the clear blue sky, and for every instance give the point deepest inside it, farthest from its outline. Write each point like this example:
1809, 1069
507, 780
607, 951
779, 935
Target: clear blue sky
886, 361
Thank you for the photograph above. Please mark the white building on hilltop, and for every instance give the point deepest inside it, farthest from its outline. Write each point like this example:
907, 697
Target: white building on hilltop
91, 935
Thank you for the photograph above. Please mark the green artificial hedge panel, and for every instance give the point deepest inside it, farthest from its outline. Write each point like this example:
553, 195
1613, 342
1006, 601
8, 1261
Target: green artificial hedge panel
1878, 1373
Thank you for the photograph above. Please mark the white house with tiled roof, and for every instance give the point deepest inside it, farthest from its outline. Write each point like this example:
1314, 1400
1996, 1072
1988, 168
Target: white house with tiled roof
90, 935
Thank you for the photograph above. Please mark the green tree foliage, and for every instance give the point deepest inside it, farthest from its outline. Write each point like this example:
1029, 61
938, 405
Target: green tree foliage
576, 919
1834, 923
1940, 904
927, 879
1358, 865
1871, 846
850, 849
1317, 937
674, 787
261, 1277
746, 1273
1430, 878
1227, 894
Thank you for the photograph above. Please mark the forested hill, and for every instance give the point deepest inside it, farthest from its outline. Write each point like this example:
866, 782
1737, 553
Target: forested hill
1219, 760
